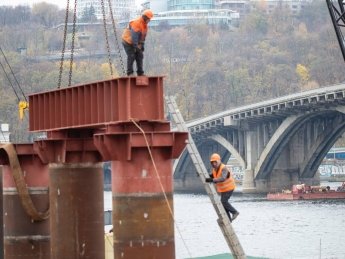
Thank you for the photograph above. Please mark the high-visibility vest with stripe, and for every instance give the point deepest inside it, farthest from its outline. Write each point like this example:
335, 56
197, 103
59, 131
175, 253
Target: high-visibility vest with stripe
228, 184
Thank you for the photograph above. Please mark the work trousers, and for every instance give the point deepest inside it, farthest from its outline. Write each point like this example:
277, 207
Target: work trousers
136, 55
224, 198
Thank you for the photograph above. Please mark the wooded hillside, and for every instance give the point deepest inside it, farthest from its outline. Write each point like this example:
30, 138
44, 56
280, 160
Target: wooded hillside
209, 68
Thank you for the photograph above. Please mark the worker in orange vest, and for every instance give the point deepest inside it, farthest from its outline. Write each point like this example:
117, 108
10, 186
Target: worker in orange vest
133, 40
225, 183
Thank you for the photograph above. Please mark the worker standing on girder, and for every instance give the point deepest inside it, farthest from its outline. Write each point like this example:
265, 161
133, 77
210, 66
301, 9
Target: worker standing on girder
225, 183
133, 40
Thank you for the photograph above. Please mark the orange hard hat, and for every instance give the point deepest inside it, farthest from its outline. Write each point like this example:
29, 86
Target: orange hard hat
215, 157
148, 13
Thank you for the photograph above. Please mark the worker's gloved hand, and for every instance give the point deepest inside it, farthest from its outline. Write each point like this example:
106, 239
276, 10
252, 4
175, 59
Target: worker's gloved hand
137, 49
209, 180
142, 48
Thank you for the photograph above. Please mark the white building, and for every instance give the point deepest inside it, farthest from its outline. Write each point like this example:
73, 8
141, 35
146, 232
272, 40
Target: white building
188, 17
295, 6
122, 9
156, 5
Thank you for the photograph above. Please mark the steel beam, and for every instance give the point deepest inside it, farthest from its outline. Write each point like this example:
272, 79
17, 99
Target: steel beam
96, 104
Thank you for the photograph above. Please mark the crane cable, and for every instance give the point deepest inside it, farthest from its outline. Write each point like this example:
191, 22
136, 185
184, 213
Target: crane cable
63, 46
72, 46
106, 38
73, 39
15, 79
9, 80
116, 38
22, 105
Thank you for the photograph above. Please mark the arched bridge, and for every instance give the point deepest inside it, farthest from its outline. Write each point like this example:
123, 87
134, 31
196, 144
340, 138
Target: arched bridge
278, 142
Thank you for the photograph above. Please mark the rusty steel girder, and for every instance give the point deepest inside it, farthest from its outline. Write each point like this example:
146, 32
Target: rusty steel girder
97, 104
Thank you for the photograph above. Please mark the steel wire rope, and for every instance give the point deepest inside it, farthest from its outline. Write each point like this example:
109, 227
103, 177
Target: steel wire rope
116, 38
15, 78
72, 44
161, 185
9, 80
63, 45
106, 38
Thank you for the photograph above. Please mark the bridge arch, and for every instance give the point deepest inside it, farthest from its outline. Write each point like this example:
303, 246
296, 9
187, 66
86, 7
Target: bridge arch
213, 144
229, 147
281, 138
321, 147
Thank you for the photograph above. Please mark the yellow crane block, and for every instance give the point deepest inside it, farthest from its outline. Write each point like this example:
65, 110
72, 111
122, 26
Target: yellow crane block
23, 105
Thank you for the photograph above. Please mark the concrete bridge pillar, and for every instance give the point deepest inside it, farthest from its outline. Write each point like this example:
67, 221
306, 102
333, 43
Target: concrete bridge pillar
251, 158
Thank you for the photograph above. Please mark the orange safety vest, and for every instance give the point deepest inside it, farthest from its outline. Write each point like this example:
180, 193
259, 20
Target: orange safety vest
228, 184
139, 27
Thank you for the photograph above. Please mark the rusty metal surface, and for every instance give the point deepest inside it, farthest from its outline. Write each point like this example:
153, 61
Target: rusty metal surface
143, 227
96, 104
138, 175
24, 238
142, 221
77, 221
17, 222
1, 218
170, 143
27, 249
22, 172
34, 172
67, 150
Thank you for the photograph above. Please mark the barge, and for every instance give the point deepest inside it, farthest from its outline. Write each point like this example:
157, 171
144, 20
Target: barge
306, 192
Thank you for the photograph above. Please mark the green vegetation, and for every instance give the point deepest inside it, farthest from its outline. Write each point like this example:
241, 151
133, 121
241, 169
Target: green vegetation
209, 68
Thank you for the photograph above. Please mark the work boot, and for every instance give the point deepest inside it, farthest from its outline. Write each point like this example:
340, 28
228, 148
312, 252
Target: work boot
235, 216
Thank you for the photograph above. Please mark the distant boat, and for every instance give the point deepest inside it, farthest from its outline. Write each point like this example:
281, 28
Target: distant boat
306, 192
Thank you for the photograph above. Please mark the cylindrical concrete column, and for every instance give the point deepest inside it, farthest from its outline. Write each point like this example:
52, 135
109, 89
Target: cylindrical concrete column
143, 224
77, 221
23, 237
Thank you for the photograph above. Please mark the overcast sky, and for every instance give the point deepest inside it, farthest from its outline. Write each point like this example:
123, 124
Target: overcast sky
60, 3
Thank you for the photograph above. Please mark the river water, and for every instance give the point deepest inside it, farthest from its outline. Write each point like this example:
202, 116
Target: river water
270, 229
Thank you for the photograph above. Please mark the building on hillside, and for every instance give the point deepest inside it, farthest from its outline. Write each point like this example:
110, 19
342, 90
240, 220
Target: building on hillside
220, 17
295, 6
240, 6
122, 9
174, 5
173, 13
243, 7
